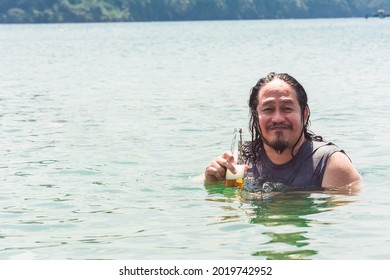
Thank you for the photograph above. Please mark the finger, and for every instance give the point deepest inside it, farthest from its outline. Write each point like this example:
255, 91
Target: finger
215, 172
228, 156
227, 164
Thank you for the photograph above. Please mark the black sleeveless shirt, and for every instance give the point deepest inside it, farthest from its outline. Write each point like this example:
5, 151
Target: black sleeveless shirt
304, 172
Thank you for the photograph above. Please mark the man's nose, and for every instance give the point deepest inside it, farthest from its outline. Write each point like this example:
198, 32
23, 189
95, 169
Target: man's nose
277, 117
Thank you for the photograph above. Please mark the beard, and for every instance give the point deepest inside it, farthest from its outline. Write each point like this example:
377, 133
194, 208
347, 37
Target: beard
279, 144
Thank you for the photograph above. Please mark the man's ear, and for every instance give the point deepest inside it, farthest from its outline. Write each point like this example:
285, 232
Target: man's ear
306, 115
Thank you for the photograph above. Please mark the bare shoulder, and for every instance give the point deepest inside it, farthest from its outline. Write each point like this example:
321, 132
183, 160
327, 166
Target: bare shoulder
340, 172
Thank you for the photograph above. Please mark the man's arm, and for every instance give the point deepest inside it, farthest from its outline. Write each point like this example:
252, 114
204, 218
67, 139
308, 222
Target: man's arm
340, 174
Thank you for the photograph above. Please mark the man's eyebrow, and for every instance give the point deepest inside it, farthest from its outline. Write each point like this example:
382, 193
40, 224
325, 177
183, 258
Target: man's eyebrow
287, 101
266, 102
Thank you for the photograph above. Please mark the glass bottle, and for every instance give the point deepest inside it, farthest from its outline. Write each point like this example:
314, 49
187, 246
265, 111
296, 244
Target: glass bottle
236, 180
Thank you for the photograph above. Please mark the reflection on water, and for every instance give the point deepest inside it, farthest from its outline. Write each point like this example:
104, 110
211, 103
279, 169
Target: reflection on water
285, 217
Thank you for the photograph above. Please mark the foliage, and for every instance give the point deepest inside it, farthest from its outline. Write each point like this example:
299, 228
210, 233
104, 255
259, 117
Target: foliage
46, 11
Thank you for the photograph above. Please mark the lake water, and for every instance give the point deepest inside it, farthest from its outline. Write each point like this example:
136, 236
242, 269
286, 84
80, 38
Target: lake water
105, 129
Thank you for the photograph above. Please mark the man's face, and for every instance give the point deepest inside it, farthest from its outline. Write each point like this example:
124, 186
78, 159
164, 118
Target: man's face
279, 115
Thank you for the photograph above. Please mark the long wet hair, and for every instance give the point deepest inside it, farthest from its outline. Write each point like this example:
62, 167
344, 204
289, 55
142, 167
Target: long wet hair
257, 138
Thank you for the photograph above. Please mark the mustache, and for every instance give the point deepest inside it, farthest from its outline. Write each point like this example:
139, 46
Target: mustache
280, 125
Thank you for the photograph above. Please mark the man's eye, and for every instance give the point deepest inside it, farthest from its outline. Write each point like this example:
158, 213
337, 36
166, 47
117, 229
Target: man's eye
287, 110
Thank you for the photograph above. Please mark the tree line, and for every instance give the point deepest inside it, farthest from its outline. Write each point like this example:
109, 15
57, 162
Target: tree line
57, 11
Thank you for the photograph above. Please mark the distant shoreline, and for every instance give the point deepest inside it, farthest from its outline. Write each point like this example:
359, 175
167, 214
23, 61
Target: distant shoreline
87, 11
192, 20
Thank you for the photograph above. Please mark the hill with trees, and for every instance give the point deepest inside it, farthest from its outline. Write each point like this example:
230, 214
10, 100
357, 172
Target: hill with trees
58, 11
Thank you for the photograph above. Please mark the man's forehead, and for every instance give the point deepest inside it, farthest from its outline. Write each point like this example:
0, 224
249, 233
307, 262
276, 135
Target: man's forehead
271, 100
277, 95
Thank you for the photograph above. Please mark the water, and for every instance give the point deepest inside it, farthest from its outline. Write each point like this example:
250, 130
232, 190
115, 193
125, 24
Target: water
105, 129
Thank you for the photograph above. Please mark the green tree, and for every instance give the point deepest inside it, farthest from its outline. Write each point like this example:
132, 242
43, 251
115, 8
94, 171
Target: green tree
16, 15
27, 11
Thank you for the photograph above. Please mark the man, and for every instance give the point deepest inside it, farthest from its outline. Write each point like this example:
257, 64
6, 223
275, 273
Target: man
283, 152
